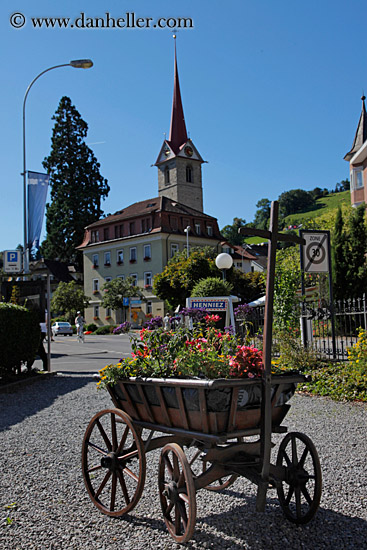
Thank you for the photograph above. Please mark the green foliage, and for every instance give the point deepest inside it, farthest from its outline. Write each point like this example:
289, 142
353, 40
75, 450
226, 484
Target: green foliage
212, 286
262, 214
230, 232
19, 337
339, 252
286, 284
118, 289
296, 200
356, 275
69, 298
293, 355
77, 186
91, 327
178, 278
106, 329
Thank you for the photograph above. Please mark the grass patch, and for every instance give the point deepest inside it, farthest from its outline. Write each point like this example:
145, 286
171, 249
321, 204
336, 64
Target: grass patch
324, 205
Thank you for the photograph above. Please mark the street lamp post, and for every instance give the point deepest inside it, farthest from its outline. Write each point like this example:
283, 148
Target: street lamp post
223, 262
187, 231
77, 64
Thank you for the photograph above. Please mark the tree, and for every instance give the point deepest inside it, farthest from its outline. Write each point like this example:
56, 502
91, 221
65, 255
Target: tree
339, 254
356, 255
296, 200
118, 289
69, 298
230, 232
77, 186
262, 214
212, 286
178, 278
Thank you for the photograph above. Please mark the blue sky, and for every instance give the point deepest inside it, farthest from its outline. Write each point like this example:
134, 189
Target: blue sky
271, 94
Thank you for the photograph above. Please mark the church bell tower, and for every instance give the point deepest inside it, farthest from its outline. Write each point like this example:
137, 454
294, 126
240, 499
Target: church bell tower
179, 162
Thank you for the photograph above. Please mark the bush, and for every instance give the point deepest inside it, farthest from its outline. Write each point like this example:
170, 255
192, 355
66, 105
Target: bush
91, 327
123, 328
19, 337
106, 329
212, 286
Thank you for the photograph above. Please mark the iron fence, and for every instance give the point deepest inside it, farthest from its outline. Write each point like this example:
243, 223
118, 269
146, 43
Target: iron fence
330, 329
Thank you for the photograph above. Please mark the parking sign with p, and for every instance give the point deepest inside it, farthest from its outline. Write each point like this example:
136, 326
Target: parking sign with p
12, 261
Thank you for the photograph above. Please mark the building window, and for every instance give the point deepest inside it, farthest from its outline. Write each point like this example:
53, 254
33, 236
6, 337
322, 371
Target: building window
96, 312
106, 233
95, 236
147, 252
133, 255
189, 174
174, 223
132, 228
166, 176
108, 279
149, 307
356, 179
148, 279
95, 286
121, 277
145, 225
119, 231
197, 228
209, 229
107, 259
108, 313
134, 277
174, 249
120, 257
95, 260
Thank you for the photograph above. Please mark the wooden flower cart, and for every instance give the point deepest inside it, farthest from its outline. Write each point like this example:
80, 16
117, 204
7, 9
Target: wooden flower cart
209, 432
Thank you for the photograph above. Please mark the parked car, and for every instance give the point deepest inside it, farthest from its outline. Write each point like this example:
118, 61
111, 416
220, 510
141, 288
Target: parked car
61, 328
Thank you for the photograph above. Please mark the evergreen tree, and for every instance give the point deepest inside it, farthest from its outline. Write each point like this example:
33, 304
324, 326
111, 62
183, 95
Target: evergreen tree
356, 259
230, 232
77, 186
339, 254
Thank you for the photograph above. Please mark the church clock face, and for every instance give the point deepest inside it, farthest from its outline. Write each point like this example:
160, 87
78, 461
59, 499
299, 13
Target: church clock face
188, 151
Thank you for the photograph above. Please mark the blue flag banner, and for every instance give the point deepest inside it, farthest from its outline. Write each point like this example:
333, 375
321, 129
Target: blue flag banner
37, 193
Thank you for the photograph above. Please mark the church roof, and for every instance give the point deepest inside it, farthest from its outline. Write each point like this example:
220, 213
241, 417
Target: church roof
178, 133
361, 133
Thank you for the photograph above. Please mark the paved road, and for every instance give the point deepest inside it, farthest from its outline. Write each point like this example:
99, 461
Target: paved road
70, 356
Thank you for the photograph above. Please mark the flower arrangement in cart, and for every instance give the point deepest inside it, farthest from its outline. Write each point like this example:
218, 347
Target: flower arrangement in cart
195, 349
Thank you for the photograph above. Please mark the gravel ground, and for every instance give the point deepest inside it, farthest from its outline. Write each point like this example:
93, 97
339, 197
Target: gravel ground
42, 428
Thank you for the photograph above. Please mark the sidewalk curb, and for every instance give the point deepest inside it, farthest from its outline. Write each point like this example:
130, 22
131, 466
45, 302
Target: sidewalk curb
14, 386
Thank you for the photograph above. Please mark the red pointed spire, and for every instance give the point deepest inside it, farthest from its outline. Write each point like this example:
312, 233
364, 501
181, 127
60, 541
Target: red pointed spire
177, 133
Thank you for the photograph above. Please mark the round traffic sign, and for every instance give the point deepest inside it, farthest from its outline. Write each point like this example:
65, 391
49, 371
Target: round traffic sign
315, 253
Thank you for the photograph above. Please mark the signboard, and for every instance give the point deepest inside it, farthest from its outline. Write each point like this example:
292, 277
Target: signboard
125, 301
315, 253
210, 304
221, 304
12, 261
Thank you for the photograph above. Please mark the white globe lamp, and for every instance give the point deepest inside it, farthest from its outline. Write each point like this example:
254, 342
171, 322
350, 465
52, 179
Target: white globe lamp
223, 262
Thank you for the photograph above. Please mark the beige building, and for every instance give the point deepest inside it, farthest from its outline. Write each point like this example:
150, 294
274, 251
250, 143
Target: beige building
139, 240
357, 158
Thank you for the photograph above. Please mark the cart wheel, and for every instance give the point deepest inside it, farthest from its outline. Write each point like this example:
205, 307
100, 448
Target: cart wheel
199, 465
177, 493
113, 462
300, 492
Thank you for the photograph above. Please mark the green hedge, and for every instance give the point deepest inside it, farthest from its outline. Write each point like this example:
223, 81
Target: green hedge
19, 337
106, 329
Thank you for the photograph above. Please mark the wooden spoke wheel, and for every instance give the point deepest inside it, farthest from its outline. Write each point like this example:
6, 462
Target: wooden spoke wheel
177, 493
113, 462
199, 465
300, 492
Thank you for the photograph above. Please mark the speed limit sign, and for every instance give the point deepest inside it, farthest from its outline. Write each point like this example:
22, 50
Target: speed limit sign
315, 253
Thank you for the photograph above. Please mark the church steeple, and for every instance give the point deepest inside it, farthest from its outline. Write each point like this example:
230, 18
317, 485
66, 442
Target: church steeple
177, 134
179, 162
361, 133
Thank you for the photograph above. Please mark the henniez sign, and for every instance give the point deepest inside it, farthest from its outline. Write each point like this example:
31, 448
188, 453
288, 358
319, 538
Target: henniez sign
215, 304
315, 255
